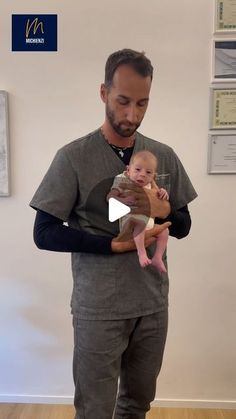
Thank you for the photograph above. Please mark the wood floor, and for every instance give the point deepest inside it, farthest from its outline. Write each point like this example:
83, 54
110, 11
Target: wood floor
40, 411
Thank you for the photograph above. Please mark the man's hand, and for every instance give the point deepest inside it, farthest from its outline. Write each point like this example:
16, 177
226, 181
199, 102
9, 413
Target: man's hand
125, 242
146, 201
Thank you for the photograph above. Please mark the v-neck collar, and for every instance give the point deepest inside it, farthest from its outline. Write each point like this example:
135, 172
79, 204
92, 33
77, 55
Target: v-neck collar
109, 151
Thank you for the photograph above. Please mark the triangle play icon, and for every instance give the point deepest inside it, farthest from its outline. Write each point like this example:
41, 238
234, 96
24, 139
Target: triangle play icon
116, 209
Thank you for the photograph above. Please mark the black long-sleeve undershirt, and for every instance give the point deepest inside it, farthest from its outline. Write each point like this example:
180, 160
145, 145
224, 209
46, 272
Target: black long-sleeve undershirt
51, 234
181, 222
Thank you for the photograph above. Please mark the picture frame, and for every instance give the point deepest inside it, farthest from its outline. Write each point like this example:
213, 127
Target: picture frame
224, 60
221, 152
225, 16
223, 107
4, 145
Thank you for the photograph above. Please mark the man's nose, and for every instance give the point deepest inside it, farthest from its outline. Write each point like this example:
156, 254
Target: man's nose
132, 114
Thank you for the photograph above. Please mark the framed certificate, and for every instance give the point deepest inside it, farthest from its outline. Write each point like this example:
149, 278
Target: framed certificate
223, 108
222, 153
4, 162
225, 15
224, 60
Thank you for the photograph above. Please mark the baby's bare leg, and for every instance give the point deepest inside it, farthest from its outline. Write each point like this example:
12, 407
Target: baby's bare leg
139, 235
160, 248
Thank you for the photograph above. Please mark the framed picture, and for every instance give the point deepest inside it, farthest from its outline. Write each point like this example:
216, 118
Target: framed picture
222, 152
223, 107
4, 146
224, 60
225, 16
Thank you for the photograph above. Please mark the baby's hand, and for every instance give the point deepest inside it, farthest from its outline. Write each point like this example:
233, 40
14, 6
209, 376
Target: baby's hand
163, 194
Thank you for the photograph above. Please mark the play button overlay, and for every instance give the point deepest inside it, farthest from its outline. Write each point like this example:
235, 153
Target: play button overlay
99, 216
116, 210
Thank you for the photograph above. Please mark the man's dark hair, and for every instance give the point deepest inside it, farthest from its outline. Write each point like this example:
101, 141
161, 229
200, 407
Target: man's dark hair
137, 60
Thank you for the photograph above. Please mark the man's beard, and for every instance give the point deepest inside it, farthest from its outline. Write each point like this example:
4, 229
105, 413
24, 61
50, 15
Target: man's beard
122, 131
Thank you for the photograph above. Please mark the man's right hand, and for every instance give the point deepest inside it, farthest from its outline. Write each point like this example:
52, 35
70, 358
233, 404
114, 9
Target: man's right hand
124, 242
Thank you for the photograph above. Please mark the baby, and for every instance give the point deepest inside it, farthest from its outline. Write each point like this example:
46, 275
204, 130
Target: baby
142, 171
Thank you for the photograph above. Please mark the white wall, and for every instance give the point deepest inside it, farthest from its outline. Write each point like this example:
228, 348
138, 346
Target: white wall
53, 99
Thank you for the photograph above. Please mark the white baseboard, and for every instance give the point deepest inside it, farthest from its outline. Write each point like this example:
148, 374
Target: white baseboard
175, 403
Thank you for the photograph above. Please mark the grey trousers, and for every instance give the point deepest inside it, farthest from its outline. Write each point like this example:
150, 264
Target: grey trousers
105, 351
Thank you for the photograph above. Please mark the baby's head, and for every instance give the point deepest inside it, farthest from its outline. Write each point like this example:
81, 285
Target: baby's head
142, 167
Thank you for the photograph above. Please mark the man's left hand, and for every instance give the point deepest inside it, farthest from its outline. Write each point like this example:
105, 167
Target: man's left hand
146, 201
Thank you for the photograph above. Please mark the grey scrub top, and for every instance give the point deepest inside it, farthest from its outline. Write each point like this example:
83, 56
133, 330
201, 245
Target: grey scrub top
74, 189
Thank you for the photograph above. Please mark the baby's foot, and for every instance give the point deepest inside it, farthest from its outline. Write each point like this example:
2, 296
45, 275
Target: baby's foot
144, 261
158, 263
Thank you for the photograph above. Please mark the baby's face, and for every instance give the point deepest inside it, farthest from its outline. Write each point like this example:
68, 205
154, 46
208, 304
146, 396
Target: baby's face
142, 171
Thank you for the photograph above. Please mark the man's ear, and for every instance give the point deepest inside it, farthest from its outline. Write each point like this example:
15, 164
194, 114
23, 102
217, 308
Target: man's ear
103, 92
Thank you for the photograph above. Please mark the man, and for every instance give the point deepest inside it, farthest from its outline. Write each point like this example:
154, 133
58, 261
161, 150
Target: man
119, 309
